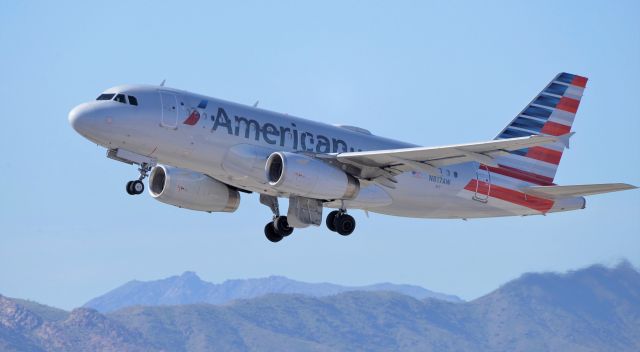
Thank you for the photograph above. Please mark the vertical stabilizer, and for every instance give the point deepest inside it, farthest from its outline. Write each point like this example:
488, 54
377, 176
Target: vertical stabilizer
551, 112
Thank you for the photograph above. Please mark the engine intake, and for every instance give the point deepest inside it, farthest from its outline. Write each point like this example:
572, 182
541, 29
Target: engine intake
192, 190
309, 177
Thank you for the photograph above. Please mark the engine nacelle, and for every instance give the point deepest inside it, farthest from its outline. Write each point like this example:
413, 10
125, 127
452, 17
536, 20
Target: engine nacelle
192, 190
309, 177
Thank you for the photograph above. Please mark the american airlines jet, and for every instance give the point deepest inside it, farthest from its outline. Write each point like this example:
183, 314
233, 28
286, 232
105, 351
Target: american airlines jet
201, 153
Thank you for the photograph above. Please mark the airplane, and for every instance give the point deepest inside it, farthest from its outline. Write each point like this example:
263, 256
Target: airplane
200, 153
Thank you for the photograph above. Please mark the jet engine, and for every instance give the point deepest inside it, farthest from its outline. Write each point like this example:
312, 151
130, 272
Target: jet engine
309, 177
192, 190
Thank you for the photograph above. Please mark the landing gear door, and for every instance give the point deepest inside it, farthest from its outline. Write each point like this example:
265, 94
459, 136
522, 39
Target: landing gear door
169, 118
483, 184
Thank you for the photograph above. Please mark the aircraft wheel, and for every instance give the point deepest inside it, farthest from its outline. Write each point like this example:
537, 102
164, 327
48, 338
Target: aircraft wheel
282, 226
331, 219
137, 187
345, 224
129, 190
271, 234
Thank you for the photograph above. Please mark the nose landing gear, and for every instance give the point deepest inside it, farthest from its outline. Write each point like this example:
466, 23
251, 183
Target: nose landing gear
136, 187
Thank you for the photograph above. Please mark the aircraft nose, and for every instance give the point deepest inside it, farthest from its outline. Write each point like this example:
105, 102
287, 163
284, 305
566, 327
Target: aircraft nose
76, 117
79, 118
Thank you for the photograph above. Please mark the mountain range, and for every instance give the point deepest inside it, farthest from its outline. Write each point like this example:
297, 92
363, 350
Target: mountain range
188, 288
593, 309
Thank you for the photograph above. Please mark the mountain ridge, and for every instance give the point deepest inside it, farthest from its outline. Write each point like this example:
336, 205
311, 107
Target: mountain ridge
188, 288
591, 309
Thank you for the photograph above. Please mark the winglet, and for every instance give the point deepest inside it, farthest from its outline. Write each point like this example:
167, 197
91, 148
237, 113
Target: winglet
564, 139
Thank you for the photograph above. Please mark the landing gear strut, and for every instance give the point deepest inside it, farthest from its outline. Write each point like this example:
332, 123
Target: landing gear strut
341, 222
279, 228
136, 187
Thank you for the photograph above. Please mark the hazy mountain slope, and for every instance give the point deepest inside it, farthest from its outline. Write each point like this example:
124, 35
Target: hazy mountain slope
45, 312
370, 321
594, 309
83, 330
207, 327
16, 326
188, 288
409, 290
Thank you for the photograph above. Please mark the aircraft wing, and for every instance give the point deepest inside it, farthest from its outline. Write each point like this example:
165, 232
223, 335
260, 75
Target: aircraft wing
388, 163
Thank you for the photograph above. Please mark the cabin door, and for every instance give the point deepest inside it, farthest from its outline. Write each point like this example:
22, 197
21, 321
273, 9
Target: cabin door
169, 118
483, 184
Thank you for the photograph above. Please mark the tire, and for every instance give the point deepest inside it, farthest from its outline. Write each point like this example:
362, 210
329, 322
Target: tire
345, 224
129, 189
137, 187
271, 234
331, 219
282, 226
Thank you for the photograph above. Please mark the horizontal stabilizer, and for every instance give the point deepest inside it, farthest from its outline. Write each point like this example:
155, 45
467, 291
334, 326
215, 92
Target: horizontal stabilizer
553, 192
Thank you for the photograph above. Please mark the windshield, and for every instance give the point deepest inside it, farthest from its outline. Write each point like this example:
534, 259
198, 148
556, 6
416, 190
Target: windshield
105, 97
120, 98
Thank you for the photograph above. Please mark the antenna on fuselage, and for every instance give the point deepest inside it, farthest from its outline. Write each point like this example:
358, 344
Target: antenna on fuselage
255, 105
162, 83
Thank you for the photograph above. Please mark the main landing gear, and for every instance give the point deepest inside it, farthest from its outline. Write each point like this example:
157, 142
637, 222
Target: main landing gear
341, 222
279, 228
337, 221
136, 187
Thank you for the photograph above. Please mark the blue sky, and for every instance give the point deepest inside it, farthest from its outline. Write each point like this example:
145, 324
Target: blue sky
430, 73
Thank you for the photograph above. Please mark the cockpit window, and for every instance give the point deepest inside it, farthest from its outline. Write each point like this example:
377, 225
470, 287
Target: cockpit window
105, 97
120, 98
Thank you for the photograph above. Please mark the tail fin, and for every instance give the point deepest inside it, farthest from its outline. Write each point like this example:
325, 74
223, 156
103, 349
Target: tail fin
552, 113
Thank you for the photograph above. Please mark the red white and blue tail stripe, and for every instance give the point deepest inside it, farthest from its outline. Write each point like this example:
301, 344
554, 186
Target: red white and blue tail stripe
551, 112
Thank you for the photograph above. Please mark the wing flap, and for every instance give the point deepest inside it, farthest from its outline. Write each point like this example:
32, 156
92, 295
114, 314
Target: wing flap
553, 192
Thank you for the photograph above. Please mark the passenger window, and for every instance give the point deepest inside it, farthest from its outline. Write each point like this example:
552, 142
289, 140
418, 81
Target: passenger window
120, 98
133, 100
105, 97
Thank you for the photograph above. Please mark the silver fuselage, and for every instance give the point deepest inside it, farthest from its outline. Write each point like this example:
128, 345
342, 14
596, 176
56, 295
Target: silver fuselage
229, 138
